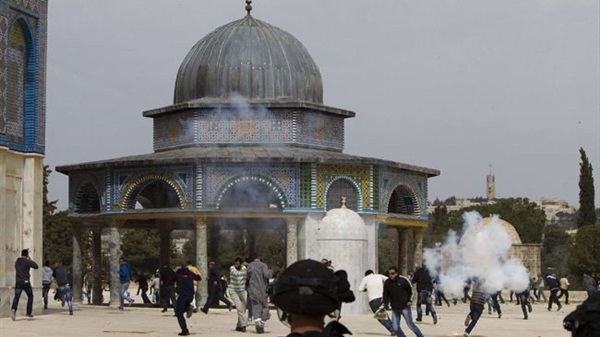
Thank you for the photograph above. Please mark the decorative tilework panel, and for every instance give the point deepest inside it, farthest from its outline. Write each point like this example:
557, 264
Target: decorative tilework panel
287, 177
174, 130
316, 128
16, 84
30, 126
41, 42
417, 184
125, 180
30, 5
359, 174
305, 185
4, 29
277, 126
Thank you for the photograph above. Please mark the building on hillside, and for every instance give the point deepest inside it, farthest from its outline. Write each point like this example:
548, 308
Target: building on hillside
22, 139
248, 150
558, 212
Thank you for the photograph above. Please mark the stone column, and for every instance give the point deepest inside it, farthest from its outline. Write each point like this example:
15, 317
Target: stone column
76, 273
165, 229
251, 231
202, 255
418, 237
403, 251
213, 240
292, 240
97, 266
114, 253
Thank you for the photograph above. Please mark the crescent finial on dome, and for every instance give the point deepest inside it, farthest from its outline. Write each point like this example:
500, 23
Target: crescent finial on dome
248, 6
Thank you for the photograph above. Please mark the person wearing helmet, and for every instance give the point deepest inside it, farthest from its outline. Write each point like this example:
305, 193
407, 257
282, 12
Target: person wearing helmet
306, 292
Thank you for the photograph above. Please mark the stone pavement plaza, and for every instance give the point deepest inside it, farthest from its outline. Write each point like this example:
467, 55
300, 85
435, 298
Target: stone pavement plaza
96, 321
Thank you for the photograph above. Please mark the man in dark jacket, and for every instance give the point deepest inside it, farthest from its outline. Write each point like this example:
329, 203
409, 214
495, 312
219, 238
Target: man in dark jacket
167, 287
553, 285
589, 284
424, 283
397, 292
185, 291
22, 266
215, 288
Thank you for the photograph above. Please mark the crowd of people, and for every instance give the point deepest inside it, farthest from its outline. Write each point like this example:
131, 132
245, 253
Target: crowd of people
251, 287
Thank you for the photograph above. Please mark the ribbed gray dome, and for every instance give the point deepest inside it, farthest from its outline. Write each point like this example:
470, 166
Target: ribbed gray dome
253, 59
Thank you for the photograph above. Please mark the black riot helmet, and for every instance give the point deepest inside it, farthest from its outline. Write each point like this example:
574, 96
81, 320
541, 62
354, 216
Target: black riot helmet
585, 320
308, 287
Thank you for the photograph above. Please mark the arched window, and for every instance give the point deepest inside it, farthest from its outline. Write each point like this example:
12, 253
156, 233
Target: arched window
342, 188
154, 194
87, 200
21, 94
403, 201
251, 194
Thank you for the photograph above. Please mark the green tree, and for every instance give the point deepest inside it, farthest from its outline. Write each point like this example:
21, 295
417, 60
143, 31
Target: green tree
556, 249
584, 257
140, 248
58, 238
586, 215
527, 217
58, 230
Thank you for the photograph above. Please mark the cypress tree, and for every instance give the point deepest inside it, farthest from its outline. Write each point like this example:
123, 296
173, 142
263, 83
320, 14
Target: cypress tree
586, 214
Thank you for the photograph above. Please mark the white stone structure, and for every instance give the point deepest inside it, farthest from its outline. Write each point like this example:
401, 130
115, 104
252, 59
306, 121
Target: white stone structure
345, 238
21, 184
22, 141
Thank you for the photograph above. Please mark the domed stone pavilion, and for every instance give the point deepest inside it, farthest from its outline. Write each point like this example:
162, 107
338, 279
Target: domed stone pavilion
530, 254
246, 150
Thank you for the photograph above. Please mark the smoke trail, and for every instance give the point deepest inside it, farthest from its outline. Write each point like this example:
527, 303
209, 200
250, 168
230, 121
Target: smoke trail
482, 252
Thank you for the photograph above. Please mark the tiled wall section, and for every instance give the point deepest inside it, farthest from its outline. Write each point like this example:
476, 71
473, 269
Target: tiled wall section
360, 175
4, 28
34, 13
258, 126
286, 177
319, 129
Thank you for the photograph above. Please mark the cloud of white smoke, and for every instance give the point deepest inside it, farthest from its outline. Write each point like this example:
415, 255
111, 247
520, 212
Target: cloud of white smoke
482, 252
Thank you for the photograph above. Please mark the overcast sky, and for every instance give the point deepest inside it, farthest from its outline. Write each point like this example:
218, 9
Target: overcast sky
454, 85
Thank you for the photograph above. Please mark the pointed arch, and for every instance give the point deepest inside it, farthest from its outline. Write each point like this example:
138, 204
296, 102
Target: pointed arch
403, 200
251, 191
87, 199
343, 186
153, 190
22, 92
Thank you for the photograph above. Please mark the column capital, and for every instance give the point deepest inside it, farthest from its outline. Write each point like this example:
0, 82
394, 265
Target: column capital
114, 223
200, 221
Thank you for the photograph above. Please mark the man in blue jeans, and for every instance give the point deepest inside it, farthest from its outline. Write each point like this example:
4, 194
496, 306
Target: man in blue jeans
124, 279
397, 293
424, 283
22, 266
61, 275
373, 284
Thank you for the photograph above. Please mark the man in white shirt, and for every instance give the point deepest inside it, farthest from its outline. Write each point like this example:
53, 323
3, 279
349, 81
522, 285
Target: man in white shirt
373, 284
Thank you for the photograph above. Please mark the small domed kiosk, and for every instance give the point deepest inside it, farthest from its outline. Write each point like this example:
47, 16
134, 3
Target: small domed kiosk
246, 150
